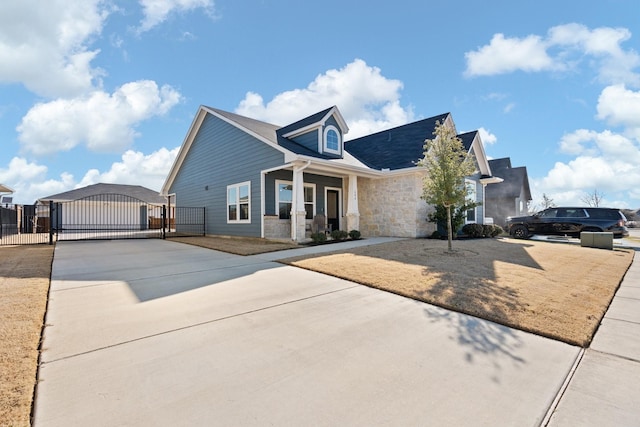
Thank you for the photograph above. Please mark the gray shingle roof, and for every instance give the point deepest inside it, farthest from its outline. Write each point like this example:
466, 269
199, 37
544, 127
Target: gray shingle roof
135, 191
395, 148
264, 129
515, 179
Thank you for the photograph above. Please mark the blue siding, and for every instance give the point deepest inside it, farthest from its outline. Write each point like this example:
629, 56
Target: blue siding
320, 181
308, 140
221, 155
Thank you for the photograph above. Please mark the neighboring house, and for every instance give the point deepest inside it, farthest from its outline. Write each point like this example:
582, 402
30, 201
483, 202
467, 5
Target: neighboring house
5, 189
510, 197
262, 180
105, 206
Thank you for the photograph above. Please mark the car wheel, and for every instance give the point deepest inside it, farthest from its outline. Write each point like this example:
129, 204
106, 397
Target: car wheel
520, 232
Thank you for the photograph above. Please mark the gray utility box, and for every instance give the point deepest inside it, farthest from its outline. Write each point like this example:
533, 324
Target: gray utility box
602, 240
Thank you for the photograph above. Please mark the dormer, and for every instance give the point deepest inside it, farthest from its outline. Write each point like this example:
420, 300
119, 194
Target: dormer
323, 133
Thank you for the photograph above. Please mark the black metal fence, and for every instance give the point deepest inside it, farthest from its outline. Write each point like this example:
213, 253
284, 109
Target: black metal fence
24, 224
186, 221
98, 217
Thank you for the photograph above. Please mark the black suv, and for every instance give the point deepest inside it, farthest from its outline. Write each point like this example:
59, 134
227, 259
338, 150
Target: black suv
568, 221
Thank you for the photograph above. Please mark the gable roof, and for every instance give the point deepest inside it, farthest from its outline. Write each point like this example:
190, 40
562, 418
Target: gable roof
515, 180
135, 191
467, 139
392, 149
395, 148
314, 121
264, 129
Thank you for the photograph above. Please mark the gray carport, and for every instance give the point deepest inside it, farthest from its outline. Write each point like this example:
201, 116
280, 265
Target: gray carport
154, 332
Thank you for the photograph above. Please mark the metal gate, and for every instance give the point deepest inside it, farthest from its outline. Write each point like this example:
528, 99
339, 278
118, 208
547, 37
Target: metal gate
106, 216
98, 217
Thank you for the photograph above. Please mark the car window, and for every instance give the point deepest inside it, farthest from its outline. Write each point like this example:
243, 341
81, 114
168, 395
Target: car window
604, 214
575, 213
548, 213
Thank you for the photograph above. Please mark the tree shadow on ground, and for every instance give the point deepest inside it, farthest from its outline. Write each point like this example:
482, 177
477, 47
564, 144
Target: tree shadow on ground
481, 338
464, 281
466, 308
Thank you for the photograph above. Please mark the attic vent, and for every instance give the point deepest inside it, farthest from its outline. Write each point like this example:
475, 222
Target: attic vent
389, 137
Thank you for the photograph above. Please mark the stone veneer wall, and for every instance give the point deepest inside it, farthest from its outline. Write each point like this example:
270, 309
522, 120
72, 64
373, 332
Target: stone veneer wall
279, 229
276, 228
393, 207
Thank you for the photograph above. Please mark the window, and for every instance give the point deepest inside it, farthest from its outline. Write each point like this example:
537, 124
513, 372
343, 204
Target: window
239, 203
332, 140
284, 199
310, 200
471, 195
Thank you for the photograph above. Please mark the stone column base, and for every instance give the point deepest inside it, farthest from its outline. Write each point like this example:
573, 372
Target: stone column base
301, 226
353, 221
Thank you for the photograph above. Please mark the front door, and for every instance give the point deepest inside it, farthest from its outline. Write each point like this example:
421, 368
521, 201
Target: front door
333, 209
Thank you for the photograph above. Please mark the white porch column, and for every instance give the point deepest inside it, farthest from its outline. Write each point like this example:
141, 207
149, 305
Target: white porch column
353, 214
298, 213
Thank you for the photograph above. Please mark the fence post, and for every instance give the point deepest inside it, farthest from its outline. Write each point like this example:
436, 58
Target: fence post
51, 222
204, 221
164, 220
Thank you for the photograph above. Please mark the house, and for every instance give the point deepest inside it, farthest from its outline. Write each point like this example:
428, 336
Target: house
510, 197
106, 207
262, 180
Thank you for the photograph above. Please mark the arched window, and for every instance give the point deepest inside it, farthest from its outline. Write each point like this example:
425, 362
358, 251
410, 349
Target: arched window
332, 140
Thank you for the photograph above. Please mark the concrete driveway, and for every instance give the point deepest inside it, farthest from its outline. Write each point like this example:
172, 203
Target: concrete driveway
159, 333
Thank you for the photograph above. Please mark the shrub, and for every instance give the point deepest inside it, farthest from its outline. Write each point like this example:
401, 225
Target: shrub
318, 237
354, 234
492, 230
497, 230
473, 230
339, 235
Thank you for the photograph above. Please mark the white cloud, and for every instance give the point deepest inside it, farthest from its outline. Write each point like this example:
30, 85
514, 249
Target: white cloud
606, 161
505, 55
45, 45
28, 180
620, 106
136, 168
101, 121
614, 64
562, 48
157, 11
487, 137
368, 101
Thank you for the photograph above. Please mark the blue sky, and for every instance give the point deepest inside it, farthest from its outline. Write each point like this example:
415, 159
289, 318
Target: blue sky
105, 91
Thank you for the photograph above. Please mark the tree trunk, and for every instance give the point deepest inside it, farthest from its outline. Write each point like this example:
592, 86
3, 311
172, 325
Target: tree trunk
449, 231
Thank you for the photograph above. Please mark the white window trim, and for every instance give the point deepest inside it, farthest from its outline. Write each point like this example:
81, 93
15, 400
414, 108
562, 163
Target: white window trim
237, 203
306, 185
471, 183
324, 140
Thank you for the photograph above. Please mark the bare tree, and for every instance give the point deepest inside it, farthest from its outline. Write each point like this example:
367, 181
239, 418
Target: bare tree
547, 202
448, 163
593, 199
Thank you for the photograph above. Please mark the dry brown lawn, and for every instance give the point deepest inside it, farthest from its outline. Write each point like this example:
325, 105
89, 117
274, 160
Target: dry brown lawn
555, 290
236, 245
25, 273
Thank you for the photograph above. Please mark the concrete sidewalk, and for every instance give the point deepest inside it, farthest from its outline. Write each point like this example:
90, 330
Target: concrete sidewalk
160, 333
605, 388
